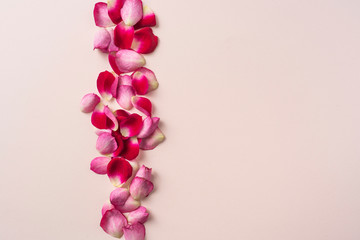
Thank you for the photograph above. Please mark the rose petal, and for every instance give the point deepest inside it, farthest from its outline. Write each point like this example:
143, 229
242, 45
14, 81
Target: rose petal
124, 95
150, 124
125, 80
131, 12
131, 148
144, 172
131, 126
114, 7
106, 144
88, 102
119, 196
152, 141
101, 15
144, 40
148, 19
113, 222
140, 188
130, 205
103, 118
142, 104
106, 207
121, 114
144, 81
102, 39
123, 35
119, 171
112, 61
119, 142
99, 165
139, 215
112, 47
134, 232
107, 85
128, 60
101, 131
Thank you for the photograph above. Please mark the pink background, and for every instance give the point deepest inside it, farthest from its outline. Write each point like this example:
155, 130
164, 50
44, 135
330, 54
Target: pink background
260, 105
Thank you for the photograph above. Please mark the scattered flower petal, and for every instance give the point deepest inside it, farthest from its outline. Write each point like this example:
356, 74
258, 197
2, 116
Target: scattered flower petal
113, 222
121, 114
119, 142
131, 126
152, 141
123, 35
119, 196
131, 12
125, 80
106, 207
103, 118
88, 102
114, 7
112, 47
144, 172
101, 15
124, 95
112, 61
148, 19
119, 171
130, 205
106, 144
102, 39
144, 41
131, 148
107, 85
142, 104
99, 165
140, 188
144, 81
139, 215
128, 60
150, 124
134, 232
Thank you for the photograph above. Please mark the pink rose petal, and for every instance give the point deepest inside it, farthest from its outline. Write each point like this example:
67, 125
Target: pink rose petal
112, 61
102, 40
130, 205
125, 80
124, 95
114, 7
139, 215
144, 41
131, 126
107, 85
101, 15
112, 47
144, 81
119, 171
153, 140
121, 114
128, 60
113, 222
106, 144
131, 148
103, 118
148, 19
140, 188
106, 207
99, 165
134, 232
131, 12
142, 104
149, 126
123, 35
119, 142
144, 172
119, 196
89, 102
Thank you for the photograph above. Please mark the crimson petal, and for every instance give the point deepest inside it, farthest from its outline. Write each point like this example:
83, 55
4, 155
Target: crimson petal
107, 85
131, 126
131, 148
142, 104
144, 40
123, 35
119, 171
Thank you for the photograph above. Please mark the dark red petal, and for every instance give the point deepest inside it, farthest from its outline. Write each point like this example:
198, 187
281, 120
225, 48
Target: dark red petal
131, 148
120, 143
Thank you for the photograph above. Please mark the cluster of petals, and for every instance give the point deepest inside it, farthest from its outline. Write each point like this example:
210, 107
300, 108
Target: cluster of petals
124, 34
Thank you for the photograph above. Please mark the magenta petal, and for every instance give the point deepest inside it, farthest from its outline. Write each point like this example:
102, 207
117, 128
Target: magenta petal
119, 171
144, 172
106, 143
124, 95
99, 165
119, 142
131, 126
103, 118
153, 140
144, 81
107, 85
113, 222
114, 7
101, 15
128, 60
150, 124
112, 47
106, 207
142, 104
125, 80
144, 40
123, 35
140, 188
121, 114
131, 12
119, 196
131, 148
130, 205
134, 232
148, 19
139, 215
102, 39
112, 61
88, 102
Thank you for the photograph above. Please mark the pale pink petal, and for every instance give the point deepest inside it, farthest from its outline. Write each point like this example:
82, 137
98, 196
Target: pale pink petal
131, 126
113, 222
139, 215
119, 171
112, 61
148, 19
144, 81
144, 172
144, 40
119, 142
134, 232
128, 60
101, 131
106, 144
140, 188
103, 118
101, 15
150, 124
152, 141
112, 47
131, 148
107, 85
102, 39
142, 104
125, 80
99, 165
119, 196
131, 12
123, 35
106, 207
88, 102
124, 95
114, 7
130, 205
